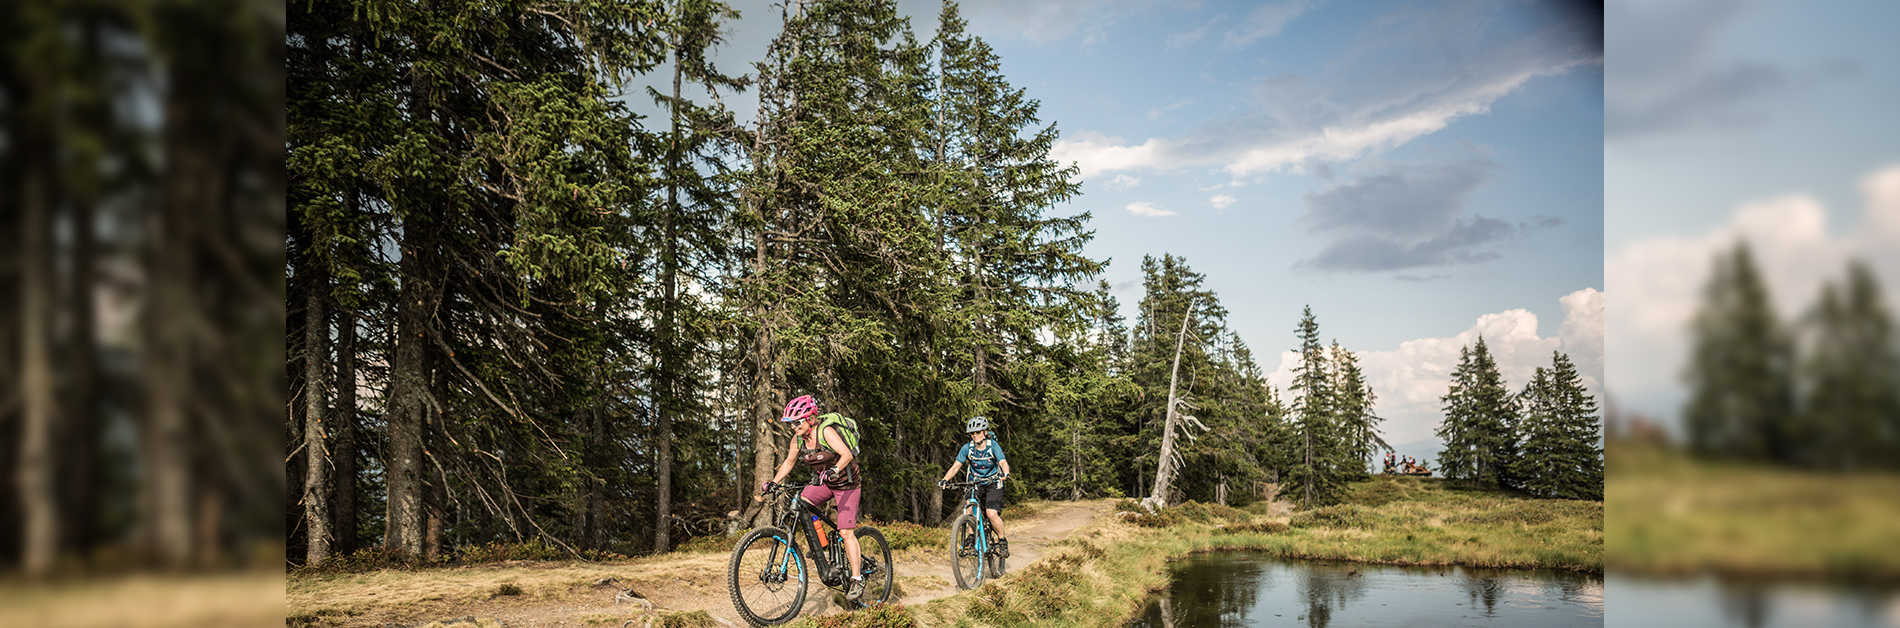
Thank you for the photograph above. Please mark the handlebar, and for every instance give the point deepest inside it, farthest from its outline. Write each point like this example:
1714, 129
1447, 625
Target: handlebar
958, 485
786, 487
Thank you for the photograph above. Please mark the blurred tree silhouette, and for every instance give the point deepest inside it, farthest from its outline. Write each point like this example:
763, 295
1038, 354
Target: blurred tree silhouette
1850, 372
1823, 394
141, 154
1741, 368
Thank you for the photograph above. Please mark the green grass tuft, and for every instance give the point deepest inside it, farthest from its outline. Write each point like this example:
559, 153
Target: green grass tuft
894, 616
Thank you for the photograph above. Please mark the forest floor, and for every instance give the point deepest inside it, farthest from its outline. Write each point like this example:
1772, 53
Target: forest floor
675, 587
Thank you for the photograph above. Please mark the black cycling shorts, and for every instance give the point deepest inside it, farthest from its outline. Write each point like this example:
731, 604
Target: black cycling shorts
991, 496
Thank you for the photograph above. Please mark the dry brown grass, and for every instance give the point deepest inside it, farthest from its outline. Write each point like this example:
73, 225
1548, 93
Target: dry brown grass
1673, 515
321, 594
147, 601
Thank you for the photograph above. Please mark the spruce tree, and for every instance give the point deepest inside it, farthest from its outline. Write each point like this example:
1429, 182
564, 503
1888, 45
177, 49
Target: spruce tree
1480, 424
1851, 374
1740, 373
1358, 425
1315, 473
1457, 459
847, 295
698, 183
1561, 454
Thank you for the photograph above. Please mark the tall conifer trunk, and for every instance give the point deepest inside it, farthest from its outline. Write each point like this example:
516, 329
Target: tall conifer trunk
669, 322
409, 384
343, 453
35, 477
316, 487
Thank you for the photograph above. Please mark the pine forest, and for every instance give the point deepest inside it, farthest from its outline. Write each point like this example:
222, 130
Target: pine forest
541, 283
519, 312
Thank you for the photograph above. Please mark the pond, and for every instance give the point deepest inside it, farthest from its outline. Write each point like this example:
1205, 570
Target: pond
1249, 589
1710, 603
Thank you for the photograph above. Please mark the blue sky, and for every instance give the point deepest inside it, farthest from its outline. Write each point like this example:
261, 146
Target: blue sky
1417, 172
1769, 121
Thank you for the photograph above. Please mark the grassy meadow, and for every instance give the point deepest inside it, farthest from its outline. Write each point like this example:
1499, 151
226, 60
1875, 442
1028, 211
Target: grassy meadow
1103, 574
1099, 576
1674, 515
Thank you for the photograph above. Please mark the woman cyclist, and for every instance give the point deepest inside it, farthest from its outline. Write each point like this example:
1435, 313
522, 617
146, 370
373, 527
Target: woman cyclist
826, 452
985, 457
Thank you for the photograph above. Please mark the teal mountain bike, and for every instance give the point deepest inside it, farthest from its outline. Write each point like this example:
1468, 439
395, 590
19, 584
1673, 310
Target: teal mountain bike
972, 541
767, 577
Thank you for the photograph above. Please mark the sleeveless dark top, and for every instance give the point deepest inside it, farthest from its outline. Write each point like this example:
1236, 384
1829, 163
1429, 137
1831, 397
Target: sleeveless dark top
820, 458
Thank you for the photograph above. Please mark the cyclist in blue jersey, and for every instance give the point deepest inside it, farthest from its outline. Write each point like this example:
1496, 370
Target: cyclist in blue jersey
985, 458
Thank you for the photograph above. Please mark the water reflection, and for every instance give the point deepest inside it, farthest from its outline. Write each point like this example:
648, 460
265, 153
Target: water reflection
1327, 587
1245, 589
1712, 603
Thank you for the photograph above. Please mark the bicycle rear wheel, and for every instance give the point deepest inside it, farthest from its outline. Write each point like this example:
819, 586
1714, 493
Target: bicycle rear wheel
767, 578
876, 568
968, 560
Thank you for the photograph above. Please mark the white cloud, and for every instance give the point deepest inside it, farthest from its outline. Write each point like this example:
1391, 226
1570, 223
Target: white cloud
1157, 112
1265, 21
1581, 334
1182, 39
1410, 380
1122, 182
1221, 201
1659, 281
1148, 209
1096, 153
1047, 21
1411, 75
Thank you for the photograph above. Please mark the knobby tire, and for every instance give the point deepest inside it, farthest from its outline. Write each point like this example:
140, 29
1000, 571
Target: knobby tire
876, 565
757, 556
965, 562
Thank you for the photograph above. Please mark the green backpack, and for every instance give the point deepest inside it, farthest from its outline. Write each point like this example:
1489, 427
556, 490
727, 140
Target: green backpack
847, 427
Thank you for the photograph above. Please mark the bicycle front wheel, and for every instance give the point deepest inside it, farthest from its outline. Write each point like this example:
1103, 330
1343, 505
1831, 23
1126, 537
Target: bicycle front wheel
767, 577
968, 559
875, 567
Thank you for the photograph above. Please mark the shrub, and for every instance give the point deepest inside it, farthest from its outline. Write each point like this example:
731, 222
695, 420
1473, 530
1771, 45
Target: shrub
365, 559
1034, 595
1210, 513
686, 619
894, 616
904, 535
1191, 511
1337, 516
1252, 527
498, 551
1526, 513
709, 543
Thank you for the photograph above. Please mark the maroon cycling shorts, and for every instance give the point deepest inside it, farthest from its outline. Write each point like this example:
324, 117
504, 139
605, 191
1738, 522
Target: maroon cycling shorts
817, 495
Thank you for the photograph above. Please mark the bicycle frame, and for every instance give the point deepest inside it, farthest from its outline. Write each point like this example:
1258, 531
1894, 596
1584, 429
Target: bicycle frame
975, 510
982, 528
800, 518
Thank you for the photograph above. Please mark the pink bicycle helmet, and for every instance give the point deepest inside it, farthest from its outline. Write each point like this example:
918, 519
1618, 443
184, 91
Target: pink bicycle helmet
800, 409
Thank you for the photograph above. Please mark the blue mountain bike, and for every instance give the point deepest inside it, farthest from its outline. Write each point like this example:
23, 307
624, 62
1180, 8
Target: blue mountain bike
972, 541
767, 576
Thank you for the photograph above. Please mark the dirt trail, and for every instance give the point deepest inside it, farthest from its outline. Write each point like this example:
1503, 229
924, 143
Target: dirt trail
698, 582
